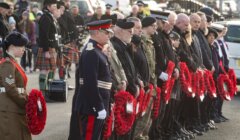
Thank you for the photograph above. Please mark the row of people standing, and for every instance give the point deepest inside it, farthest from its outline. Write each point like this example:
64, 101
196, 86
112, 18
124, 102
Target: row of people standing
138, 54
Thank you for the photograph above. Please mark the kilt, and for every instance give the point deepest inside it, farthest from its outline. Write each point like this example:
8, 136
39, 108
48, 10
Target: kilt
71, 51
43, 63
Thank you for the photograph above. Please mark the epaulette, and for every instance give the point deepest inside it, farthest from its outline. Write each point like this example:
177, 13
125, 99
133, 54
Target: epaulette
89, 47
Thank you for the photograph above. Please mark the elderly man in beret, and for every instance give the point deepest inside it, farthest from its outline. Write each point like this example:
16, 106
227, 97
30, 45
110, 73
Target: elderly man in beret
122, 37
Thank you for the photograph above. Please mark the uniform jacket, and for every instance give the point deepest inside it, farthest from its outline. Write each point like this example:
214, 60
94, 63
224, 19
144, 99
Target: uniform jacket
13, 98
149, 51
127, 64
47, 32
93, 80
10, 79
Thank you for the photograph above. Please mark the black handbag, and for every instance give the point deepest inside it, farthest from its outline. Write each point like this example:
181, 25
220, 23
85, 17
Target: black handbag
58, 90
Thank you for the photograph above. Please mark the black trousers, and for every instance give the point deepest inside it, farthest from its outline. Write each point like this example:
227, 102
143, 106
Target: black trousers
85, 127
27, 59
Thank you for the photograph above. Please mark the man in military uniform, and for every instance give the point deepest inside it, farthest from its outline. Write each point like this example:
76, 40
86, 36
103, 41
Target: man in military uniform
142, 126
92, 96
4, 29
48, 43
108, 12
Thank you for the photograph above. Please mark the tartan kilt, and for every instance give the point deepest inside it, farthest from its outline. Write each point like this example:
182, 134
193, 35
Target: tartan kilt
71, 51
46, 64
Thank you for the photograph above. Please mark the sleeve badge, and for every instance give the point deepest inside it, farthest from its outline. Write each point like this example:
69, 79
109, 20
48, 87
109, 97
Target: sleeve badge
9, 80
89, 47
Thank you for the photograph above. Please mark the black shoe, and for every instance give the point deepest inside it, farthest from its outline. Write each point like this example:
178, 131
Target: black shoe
226, 119
199, 133
217, 120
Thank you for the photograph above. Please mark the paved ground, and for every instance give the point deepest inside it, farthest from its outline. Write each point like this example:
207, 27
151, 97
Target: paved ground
57, 126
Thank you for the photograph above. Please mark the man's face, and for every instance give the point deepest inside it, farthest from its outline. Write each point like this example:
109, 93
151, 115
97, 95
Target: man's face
167, 28
184, 26
11, 10
203, 24
108, 10
75, 11
103, 36
152, 28
135, 10
57, 13
127, 35
67, 3
195, 23
211, 38
99, 11
137, 30
62, 9
52, 8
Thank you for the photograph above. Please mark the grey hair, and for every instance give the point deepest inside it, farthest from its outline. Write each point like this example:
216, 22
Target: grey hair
133, 19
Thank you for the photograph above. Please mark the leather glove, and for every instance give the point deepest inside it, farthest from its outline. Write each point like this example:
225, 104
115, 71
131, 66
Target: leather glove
163, 76
102, 114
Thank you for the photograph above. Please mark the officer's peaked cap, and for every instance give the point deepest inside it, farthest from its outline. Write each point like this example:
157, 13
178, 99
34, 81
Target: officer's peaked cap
140, 3
208, 12
217, 27
124, 24
108, 6
100, 25
174, 35
147, 21
160, 15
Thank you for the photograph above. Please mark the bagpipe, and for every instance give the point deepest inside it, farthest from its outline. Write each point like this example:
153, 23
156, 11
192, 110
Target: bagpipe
36, 112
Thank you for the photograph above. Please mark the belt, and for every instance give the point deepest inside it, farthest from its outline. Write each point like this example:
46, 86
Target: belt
20, 90
100, 84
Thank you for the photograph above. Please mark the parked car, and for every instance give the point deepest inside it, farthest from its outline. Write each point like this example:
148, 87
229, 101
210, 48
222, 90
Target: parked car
232, 39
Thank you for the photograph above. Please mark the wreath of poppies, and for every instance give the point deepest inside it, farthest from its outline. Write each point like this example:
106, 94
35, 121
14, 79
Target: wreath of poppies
36, 112
201, 85
225, 87
210, 84
123, 120
186, 79
233, 78
107, 132
146, 99
156, 104
168, 85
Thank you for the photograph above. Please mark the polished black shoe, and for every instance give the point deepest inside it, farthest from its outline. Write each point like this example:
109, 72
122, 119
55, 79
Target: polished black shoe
199, 133
217, 120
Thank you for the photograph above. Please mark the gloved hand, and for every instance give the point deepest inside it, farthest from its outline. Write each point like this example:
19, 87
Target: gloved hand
163, 76
102, 114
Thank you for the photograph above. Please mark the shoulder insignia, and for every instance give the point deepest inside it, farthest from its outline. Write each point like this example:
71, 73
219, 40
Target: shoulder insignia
9, 80
89, 47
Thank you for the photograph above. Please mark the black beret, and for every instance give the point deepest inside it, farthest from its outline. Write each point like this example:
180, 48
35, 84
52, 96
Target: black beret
160, 15
108, 6
174, 35
49, 2
124, 24
17, 39
140, 3
212, 30
147, 21
208, 12
4, 5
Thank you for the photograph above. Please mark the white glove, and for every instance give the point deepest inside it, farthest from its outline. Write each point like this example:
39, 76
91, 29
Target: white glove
102, 114
163, 76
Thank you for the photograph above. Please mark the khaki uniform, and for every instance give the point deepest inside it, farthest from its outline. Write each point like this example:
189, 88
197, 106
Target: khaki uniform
143, 125
13, 98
